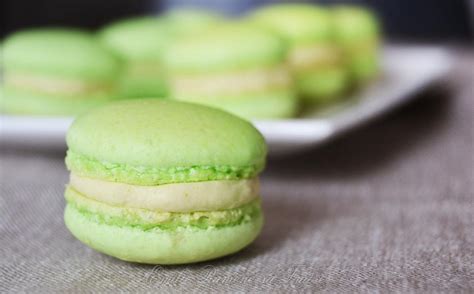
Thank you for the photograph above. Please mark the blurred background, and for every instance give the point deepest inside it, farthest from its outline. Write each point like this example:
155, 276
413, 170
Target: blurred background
408, 20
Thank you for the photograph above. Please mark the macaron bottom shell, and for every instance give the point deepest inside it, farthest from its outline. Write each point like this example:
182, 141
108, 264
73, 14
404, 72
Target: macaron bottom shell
24, 102
142, 87
322, 86
180, 245
364, 67
268, 105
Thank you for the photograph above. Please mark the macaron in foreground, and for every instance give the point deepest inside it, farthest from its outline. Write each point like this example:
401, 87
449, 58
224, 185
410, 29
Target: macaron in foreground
56, 72
163, 182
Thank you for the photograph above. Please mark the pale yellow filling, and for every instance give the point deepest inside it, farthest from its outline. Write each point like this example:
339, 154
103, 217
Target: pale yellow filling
369, 46
256, 80
182, 197
144, 68
52, 85
314, 56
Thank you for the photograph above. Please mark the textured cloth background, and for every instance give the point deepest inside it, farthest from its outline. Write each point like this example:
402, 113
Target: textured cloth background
388, 208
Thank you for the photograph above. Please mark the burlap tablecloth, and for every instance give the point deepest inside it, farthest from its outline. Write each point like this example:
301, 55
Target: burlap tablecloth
388, 208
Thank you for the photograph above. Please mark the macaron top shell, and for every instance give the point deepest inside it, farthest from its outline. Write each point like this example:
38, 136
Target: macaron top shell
355, 24
137, 39
299, 23
66, 53
143, 141
228, 47
188, 20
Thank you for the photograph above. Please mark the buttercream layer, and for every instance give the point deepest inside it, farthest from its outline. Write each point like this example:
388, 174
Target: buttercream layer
366, 46
146, 219
179, 197
237, 82
315, 56
53, 85
146, 175
151, 68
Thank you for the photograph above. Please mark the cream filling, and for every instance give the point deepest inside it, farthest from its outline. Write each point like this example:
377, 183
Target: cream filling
369, 46
182, 197
52, 85
314, 56
256, 80
151, 68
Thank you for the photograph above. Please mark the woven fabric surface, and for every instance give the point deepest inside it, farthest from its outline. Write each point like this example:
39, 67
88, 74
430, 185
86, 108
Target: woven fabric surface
387, 208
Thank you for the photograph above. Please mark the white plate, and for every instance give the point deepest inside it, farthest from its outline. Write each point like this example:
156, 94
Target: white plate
406, 69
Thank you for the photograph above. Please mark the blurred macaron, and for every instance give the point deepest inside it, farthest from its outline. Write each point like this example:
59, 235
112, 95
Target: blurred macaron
56, 71
357, 31
139, 42
236, 66
316, 61
191, 20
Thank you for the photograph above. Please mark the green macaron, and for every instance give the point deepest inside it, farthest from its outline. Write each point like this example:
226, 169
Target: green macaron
357, 31
163, 182
191, 20
139, 42
56, 71
317, 63
237, 67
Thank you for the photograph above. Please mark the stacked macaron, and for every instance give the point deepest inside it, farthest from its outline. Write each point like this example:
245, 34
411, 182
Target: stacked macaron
263, 66
56, 72
237, 67
139, 42
163, 182
317, 63
357, 33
